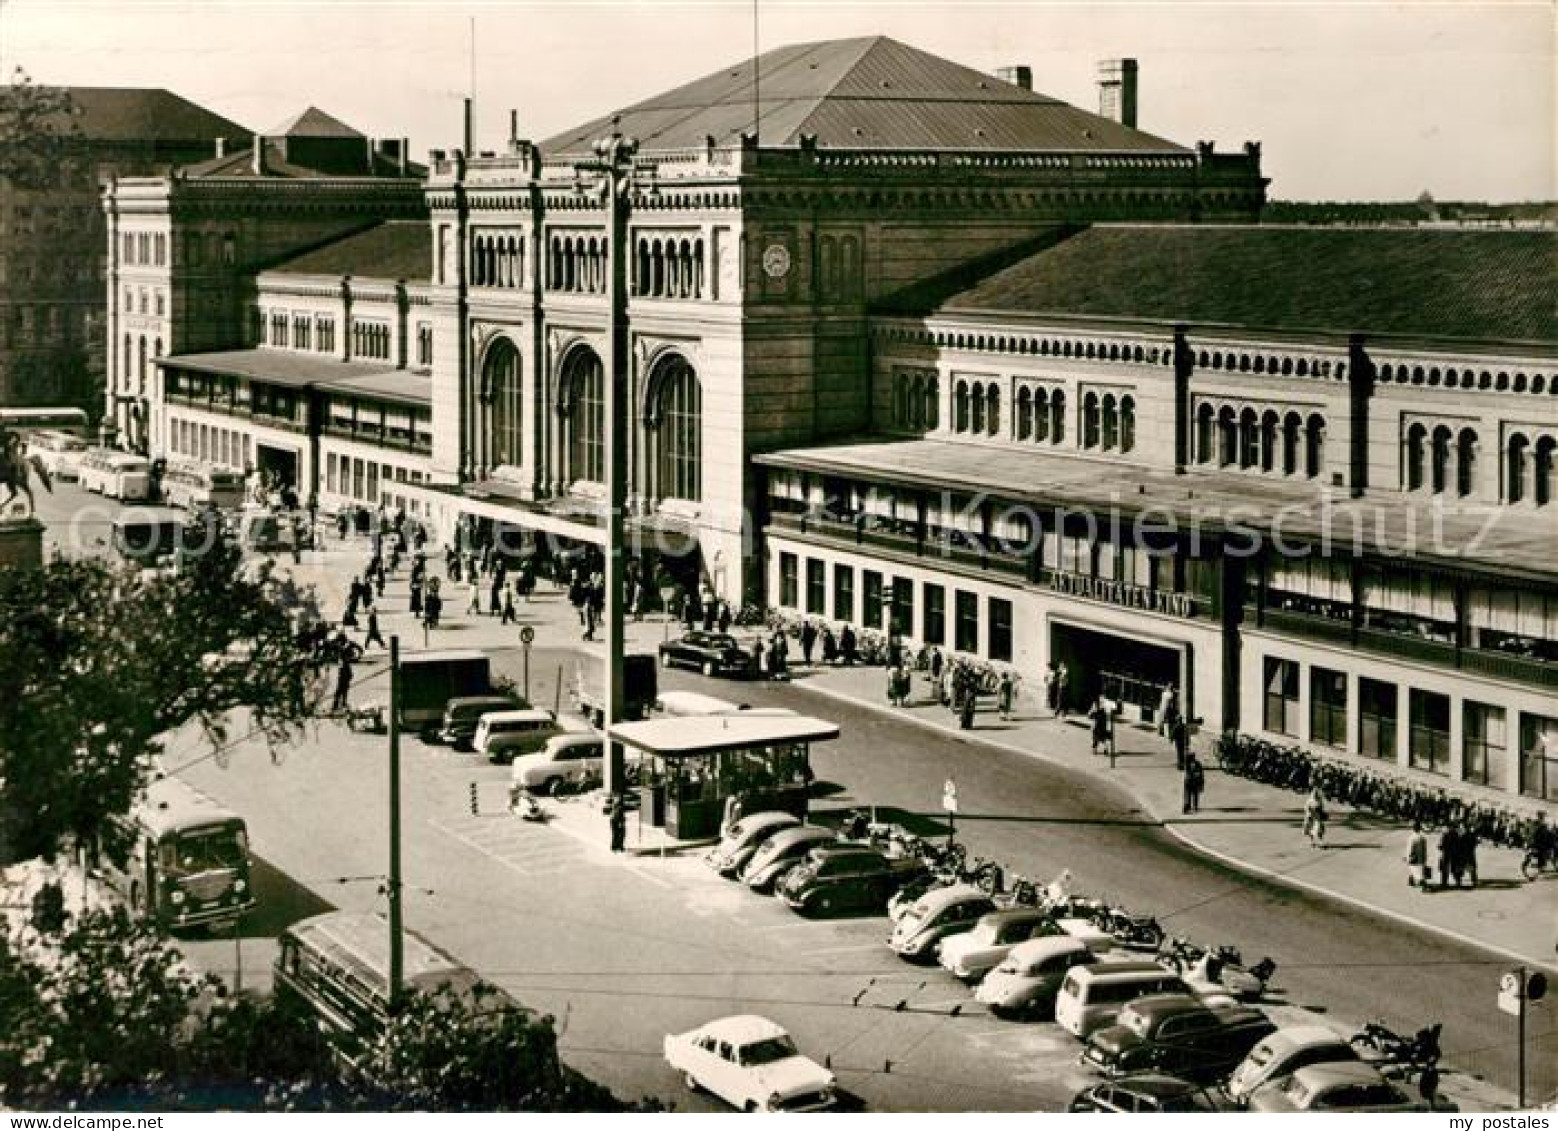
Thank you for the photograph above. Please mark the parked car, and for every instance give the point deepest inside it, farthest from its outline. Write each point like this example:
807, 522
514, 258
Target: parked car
744, 838
1028, 979
712, 653
1341, 1086
1284, 1053
971, 955
1091, 997
571, 759
504, 735
750, 1063
846, 877
781, 852
938, 913
1148, 1092
461, 716
1176, 1033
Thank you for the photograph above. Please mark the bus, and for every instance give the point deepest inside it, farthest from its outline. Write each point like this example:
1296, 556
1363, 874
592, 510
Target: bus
188, 862
147, 535
118, 475
59, 452
336, 966
428, 680
71, 420
195, 486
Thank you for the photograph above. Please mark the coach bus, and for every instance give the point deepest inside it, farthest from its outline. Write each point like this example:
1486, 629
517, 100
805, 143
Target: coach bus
118, 475
71, 420
188, 862
59, 452
336, 965
195, 486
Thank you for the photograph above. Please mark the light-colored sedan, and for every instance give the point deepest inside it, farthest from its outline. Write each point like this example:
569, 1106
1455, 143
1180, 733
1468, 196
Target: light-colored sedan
781, 852
566, 759
971, 955
1026, 981
752, 1064
1341, 1086
744, 838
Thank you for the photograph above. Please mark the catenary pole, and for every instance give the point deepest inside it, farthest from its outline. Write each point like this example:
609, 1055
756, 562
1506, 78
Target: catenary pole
396, 940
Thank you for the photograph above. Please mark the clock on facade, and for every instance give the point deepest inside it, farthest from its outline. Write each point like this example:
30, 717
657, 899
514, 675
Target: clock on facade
776, 260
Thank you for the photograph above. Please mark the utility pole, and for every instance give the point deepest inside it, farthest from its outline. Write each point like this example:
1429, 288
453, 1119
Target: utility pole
396, 940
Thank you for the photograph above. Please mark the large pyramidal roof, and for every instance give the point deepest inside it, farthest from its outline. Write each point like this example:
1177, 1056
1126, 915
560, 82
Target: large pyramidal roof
870, 93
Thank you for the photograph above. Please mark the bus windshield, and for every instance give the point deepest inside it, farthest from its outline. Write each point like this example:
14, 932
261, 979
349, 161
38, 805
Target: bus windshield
205, 849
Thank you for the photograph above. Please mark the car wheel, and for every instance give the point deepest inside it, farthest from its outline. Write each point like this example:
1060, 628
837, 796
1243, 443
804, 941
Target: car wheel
823, 905
708, 667
692, 1082
554, 787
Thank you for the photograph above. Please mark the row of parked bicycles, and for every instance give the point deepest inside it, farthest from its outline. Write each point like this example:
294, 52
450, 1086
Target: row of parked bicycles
1291, 767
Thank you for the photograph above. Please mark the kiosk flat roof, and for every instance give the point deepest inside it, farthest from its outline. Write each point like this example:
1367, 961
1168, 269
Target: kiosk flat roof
689, 737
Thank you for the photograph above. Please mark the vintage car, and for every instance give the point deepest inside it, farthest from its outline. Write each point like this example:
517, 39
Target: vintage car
971, 955
846, 877
1284, 1053
744, 838
750, 1063
1339, 1086
935, 915
712, 653
1026, 981
1146, 1093
1178, 1034
781, 852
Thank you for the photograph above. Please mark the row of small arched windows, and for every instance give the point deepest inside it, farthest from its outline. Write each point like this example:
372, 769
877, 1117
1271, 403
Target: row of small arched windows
1041, 415
576, 264
976, 408
371, 339
916, 401
668, 268
1108, 423
1528, 469
1441, 462
1287, 444
497, 261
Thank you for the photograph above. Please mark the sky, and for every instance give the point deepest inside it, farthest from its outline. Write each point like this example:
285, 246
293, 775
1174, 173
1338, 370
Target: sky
1351, 99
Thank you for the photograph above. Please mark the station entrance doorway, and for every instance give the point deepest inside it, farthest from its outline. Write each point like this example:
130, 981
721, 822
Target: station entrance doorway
279, 460
1127, 669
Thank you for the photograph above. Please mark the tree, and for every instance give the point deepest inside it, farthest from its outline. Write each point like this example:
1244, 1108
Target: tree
37, 125
98, 663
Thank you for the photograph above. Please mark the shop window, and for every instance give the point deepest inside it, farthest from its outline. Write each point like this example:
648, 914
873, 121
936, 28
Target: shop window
844, 592
816, 586
1328, 707
1377, 719
1281, 696
903, 606
1539, 757
873, 596
789, 581
1000, 629
935, 614
967, 625
1429, 738
1483, 742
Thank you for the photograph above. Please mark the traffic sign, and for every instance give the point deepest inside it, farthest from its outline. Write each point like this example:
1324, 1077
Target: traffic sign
949, 796
1509, 999
527, 636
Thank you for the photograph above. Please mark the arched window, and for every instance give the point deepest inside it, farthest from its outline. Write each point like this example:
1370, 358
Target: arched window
1024, 420
1057, 417
1441, 460
505, 404
1416, 447
641, 278
583, 407
1466, 462
1292, 429
677, 422
916, 397
932, 404
1249, 438
1090, 420
1040, 415
960, 407
1542, 487
1127, 423
1205, 448
992, 410
1270, 428
1227, 437
1314, 446
976, 403
1111, 423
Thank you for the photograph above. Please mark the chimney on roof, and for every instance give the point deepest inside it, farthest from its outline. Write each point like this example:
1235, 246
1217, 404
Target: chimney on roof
221, 147
259, 156
372, 147
402, 158
1019, 75
513, 128
469, 145
1117, 91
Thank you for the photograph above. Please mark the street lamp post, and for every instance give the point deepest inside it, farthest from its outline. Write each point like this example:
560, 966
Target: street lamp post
614, 174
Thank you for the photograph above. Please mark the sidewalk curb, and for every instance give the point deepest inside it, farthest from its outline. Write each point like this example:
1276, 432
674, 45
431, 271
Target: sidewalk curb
1173, 828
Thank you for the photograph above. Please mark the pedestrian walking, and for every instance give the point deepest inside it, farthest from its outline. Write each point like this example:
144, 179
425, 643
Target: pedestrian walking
893, 697
343, 681
1168, 710
830, 645
1179, 735
808, 641
509, 616
1051, 688
1195, 782
1315, 817
416, 596
1005, 693
619, 823
1062, 682
933, 665
473, 606
966, 709
434, 606
725, 617
1103, 727
1418, 873
847, 645
495, 602
1469, 841
378, 579
1446, 855
374, 635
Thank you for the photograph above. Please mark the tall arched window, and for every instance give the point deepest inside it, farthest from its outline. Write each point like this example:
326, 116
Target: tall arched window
1024, 422
1127, 423
1057, 417
1111, 423
1249, 438
1205, 448
1466, 462
1515, 464
1314, 446
1270, 427
960, 407
1292, 429
976, 404
1040, 415
1542, 486
583, 407
1440, 469
1090, 420
932, 403
676, 418
916, 395
505, 404
1227, 437
992, 410
1416, 451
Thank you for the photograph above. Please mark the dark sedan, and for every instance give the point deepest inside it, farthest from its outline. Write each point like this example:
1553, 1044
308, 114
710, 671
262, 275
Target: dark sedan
846, 877
1148, 1092
712, 653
